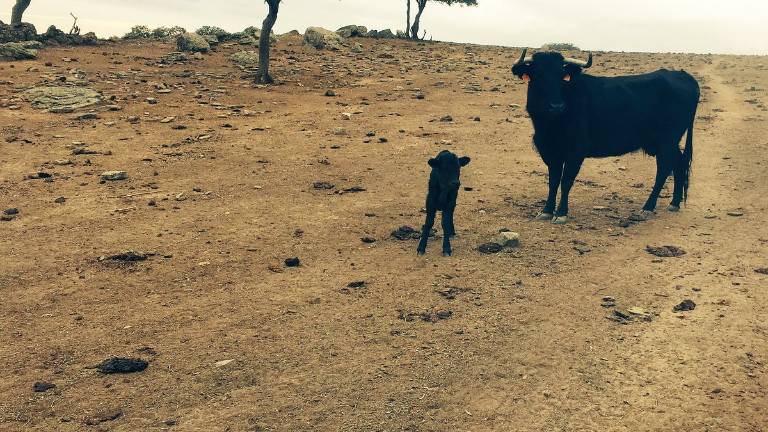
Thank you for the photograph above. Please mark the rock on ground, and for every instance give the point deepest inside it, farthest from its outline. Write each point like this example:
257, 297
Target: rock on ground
16, 51
352, 31
192, 42
61, 99
19, 33
321, 38
122, 365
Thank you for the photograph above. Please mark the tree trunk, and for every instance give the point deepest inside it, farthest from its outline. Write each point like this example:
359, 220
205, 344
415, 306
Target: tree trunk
263, 76
18, 11
415, 29
408, 18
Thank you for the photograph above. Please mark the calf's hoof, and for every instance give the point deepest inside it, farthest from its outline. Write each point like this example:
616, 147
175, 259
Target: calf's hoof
544, 216
560, 220
673, 208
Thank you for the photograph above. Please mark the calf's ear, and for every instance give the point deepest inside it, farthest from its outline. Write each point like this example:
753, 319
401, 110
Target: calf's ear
464, 161
433, 163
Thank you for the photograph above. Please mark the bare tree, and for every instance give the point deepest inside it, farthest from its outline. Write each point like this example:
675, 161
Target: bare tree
266, 30
18, 11
423, 3
408, 17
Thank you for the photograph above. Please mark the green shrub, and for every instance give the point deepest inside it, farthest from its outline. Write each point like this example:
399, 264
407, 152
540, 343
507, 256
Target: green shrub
138, 32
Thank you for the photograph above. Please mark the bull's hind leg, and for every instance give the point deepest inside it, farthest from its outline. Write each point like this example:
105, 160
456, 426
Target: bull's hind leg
680, 171
665, 162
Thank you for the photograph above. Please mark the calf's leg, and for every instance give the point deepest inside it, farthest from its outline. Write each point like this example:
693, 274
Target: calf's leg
425, 230
450, 223
446, 223
570, 172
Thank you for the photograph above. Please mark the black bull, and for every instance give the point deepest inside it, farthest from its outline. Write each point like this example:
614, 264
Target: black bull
577, 116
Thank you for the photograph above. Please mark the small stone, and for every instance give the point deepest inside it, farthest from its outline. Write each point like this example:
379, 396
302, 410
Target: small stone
330, 93
508, 239
292, 262
446, 118
684, 306
60, 200
167, 119
665, 251
11, 211
490, 248
346, 116
368, 240
86, 116
114, 175
735, 213
41, 386
122, 365
151, 100
223, 362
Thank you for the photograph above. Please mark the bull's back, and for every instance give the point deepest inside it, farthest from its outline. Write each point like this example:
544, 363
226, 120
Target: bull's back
630, 113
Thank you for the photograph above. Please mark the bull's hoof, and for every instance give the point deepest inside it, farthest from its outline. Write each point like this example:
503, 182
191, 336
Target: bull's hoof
544, 216
420, 252
673, 208
641, 216
560, 220
447, 254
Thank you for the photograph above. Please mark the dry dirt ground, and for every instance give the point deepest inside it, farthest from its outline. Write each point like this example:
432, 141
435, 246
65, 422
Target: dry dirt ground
526, 346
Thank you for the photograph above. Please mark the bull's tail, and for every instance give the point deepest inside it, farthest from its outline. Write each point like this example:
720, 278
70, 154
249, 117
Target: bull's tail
687, 161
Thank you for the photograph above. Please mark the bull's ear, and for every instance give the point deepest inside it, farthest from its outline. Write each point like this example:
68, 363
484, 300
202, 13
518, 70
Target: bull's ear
572, 71
519, 70
464, 161
433, 163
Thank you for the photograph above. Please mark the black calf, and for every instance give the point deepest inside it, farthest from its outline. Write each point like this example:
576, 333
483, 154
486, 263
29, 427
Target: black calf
443, 191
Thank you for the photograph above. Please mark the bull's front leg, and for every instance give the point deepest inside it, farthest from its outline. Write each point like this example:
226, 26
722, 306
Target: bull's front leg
426, 229
570, 171
555, 174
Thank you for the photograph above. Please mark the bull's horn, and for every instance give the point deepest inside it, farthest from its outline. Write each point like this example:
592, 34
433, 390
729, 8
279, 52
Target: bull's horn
582, 63
523, 58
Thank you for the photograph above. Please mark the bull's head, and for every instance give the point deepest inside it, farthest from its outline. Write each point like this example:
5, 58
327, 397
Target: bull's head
548, 74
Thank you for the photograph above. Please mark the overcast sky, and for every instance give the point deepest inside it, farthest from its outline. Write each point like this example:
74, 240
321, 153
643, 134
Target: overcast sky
703, 26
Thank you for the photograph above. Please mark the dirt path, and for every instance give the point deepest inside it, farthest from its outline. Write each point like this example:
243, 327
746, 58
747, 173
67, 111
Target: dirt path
224, 196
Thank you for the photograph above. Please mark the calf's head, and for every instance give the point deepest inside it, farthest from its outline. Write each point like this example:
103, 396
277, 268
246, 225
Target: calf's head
446, 170
548, 74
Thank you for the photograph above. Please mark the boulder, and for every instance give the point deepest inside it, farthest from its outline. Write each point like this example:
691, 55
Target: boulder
16, 51
192, 42
352, 31
372, 34
386, 34
55, 36
246, 59
18, 33
61, 99
255, 33
174, 57
90, 38
356, 48
212, 40
321, 38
